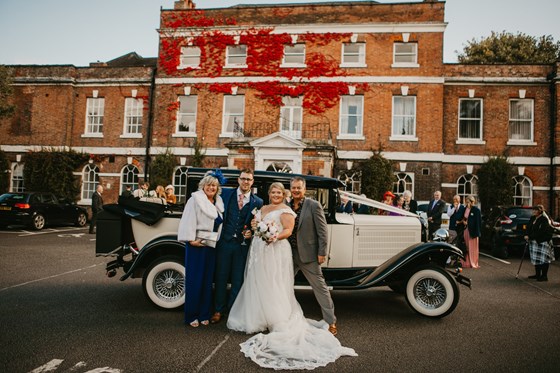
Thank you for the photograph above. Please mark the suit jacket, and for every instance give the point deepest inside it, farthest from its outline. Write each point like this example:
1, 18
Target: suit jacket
412, 206
436, 212
312, 232
474, 222
254, 202
96, 202
347, 208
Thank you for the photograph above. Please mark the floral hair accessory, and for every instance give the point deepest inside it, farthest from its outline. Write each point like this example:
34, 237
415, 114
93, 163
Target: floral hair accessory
217, 173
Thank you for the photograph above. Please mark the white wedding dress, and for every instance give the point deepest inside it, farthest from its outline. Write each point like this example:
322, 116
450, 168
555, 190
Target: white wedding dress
267, 301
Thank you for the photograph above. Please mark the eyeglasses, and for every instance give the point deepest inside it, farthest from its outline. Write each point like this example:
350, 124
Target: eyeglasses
245, 179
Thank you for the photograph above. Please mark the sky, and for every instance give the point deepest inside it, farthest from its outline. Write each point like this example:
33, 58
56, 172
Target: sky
77, 32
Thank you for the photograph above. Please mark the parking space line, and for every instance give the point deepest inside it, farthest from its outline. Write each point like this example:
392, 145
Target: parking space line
49, 277
201, 365
51, 230
493, 257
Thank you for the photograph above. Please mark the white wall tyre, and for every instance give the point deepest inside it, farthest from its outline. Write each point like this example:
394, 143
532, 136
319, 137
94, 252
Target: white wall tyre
164, 283
432, 292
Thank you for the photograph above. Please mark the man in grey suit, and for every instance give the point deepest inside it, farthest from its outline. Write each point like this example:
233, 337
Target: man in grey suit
309, 246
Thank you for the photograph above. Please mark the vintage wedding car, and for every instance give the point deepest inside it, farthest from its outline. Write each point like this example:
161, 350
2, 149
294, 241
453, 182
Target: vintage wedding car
364, 250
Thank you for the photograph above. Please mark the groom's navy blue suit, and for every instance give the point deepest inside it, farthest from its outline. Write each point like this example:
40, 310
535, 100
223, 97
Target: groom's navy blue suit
231, 255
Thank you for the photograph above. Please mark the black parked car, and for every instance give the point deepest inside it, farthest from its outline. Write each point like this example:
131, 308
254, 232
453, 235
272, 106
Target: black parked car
504, 228
37, 209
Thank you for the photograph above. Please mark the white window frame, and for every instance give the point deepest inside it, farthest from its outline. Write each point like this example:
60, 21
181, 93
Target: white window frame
95, 111
190, 58
291, 53
470, 140
396, 134
180, 183
17, 181
470, 182
513, 121
291, 116
90, 179
345, 116
361, 53
524, 185
233, 53
352, 180
398, 54
129, 176
133, 117
238, 117
183, 114
405, 179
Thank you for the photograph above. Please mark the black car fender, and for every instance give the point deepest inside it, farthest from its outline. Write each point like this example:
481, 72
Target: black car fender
400, 266
158, 248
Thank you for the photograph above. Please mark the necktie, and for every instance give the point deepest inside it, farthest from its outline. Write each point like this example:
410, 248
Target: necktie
240, 201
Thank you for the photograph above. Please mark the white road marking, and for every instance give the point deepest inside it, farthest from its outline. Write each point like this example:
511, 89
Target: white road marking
201, 365
78, 235
79, 365
45, 231
48, 367
104, 370
49, 277
493, 257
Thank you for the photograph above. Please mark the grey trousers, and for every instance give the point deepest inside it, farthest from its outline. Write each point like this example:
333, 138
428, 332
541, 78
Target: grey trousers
314, 275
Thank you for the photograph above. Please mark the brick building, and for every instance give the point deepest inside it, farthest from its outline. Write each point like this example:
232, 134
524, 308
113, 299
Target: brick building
305, 88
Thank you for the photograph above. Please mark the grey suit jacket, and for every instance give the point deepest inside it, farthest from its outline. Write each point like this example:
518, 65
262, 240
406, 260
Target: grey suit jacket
312, 231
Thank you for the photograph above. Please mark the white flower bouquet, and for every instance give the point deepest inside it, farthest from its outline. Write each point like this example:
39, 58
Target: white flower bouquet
268, 232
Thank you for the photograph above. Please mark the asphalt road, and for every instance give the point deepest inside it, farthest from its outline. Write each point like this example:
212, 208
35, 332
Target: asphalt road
60, 313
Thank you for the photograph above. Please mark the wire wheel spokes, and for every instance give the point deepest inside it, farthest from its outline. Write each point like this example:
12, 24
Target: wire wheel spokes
430, 293
169, 284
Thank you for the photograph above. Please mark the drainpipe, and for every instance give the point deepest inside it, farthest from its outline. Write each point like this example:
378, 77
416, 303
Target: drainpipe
150, 123
553, 138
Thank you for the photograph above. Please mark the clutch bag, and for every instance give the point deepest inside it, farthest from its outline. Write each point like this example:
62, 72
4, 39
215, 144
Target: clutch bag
207, 238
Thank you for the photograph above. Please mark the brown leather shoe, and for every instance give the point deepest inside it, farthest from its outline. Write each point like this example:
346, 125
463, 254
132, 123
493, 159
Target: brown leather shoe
333, 329
216, 317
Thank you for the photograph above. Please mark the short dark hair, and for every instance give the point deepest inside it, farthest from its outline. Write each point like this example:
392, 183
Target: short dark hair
298, 178
247, 171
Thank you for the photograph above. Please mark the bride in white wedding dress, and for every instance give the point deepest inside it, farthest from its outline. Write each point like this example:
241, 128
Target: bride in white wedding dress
267, 302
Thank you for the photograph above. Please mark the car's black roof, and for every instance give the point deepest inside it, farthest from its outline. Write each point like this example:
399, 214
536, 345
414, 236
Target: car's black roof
310, 180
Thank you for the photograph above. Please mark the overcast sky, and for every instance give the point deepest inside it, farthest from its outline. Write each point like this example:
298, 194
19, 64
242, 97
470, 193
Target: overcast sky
82, 31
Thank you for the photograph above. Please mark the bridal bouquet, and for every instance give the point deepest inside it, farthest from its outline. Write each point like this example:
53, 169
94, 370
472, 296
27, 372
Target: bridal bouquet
268, 232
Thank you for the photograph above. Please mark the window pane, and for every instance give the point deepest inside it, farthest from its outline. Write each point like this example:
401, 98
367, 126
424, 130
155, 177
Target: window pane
353, 53
234, 114
237, 55
95, 111
521, 120
294, 54
187, 114
470, 119
351, 115
405, 52
404, 115
133, 115
190, 56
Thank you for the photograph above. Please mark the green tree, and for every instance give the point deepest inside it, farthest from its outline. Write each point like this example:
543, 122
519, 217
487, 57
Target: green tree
6, 91
377, 176
508, 48
53, 171
495, 183
4, 173
161, 169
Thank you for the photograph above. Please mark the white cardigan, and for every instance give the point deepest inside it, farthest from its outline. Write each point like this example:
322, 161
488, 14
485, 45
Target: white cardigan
199, 214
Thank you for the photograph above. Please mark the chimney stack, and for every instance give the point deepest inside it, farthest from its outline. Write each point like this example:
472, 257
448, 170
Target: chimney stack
185, 4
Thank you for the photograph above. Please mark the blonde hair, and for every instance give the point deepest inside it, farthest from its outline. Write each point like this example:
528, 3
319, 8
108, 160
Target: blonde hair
277, 185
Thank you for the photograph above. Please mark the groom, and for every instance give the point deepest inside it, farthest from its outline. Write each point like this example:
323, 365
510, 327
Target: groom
231, 255
309, 246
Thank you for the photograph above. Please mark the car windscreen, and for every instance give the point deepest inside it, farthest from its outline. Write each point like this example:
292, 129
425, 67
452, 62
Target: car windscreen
13, 197
519, 213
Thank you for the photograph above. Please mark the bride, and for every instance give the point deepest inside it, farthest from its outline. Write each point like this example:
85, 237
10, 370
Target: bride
267, 300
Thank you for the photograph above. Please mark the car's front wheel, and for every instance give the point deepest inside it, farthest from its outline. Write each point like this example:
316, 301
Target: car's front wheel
431, 291
81, 220
38, 221
164, 283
